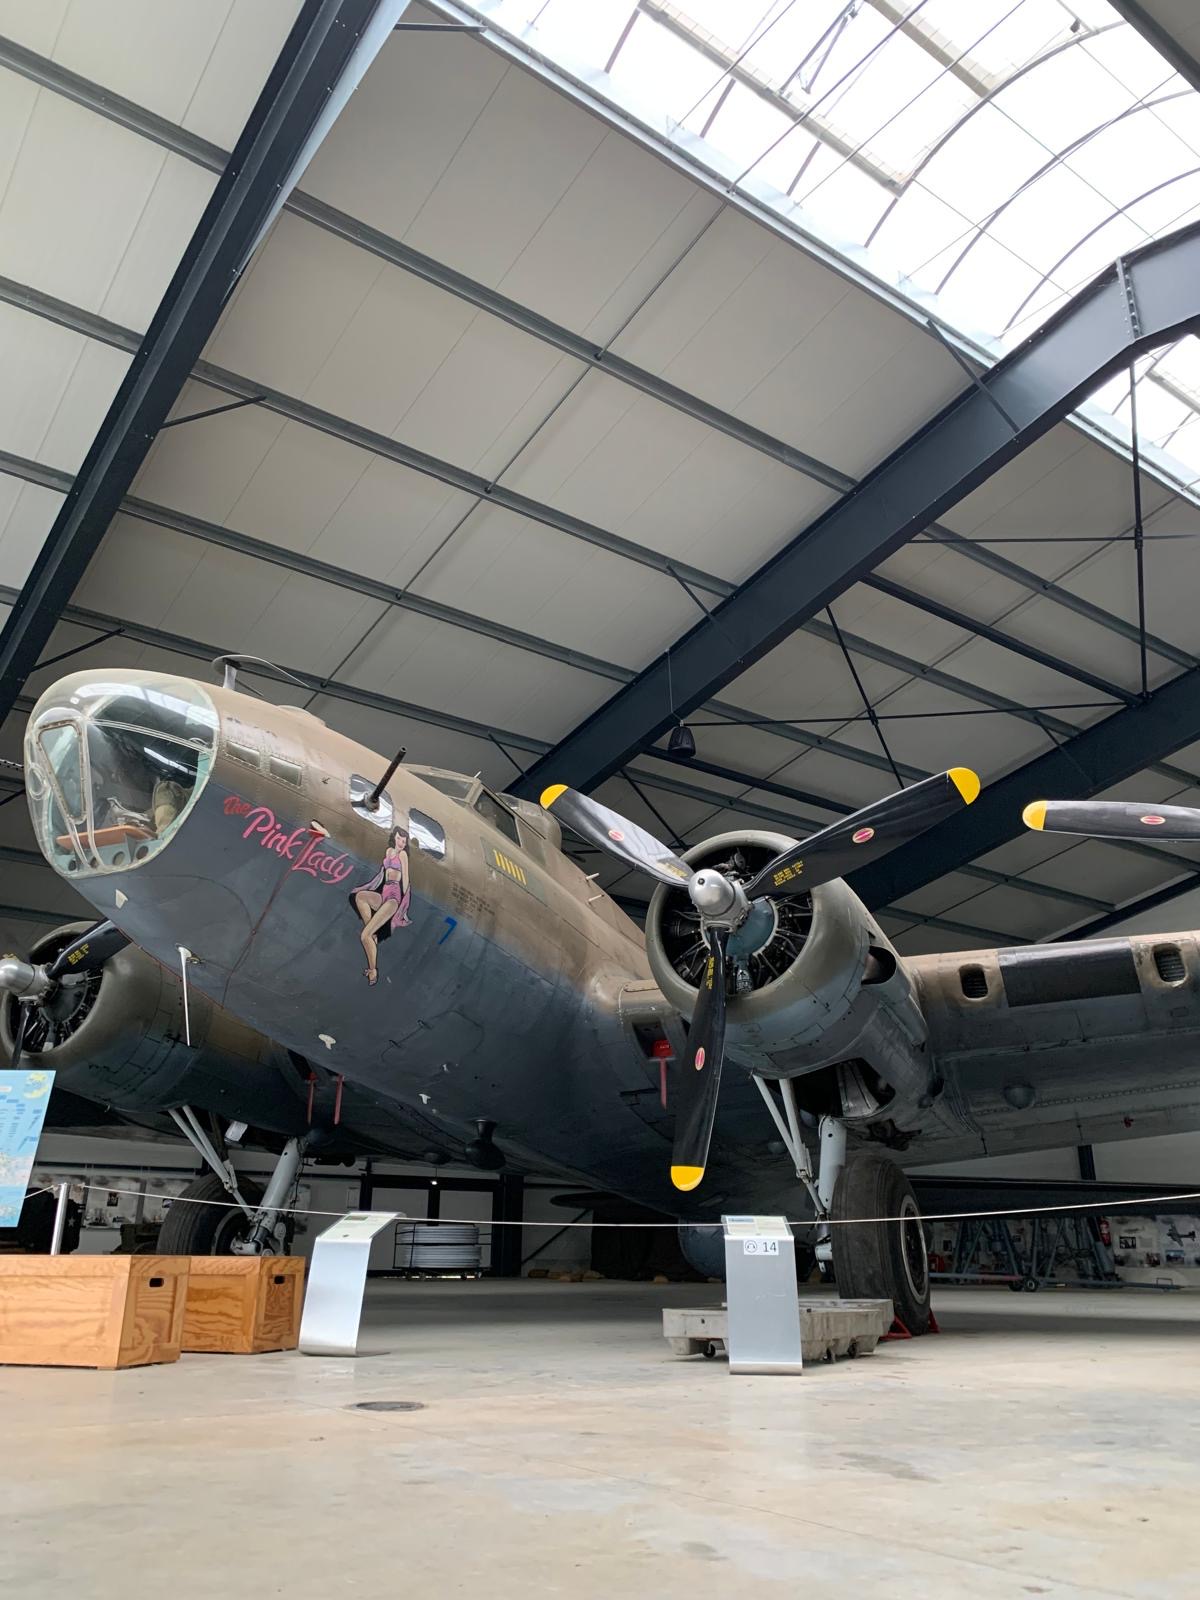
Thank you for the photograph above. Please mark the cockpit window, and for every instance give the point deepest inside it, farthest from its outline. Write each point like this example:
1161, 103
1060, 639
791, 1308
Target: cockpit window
113, 768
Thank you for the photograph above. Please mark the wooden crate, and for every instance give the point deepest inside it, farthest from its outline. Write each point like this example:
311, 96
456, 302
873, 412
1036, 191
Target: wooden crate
242, 1305
91, 1311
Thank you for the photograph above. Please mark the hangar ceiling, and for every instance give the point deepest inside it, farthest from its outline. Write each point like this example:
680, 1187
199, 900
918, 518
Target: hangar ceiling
518, 388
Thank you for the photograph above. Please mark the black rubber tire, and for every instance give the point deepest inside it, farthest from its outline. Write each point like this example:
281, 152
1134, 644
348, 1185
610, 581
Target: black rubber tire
869, 1259
204, 1229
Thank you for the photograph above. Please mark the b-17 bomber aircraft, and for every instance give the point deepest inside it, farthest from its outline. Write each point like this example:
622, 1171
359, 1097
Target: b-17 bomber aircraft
346, 955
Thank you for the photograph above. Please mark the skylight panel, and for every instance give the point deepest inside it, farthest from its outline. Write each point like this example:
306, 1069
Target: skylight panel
986, 158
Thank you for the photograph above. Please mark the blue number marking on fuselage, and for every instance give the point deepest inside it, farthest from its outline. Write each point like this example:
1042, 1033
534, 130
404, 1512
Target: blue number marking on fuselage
452, 923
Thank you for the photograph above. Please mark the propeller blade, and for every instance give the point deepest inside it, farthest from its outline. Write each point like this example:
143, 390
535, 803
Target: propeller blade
19, 1036
1114, 819
615, 834
865, 835
699, 1077
89, 951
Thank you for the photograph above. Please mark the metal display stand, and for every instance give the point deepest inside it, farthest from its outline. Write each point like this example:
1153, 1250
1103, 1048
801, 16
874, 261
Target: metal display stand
760, 1282
337, 1280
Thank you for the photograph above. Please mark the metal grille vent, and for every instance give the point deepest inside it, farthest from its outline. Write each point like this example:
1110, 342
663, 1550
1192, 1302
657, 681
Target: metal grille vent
974, 982
1168, 962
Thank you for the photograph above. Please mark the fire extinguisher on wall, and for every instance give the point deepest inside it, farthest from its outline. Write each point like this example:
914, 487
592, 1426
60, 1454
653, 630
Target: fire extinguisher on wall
1104, 1230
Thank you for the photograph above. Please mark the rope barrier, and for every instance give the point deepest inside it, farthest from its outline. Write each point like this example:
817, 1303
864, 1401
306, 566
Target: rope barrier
1157, 1202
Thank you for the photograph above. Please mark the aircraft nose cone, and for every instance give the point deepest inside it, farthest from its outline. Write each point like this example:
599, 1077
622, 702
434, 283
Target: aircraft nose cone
113, 764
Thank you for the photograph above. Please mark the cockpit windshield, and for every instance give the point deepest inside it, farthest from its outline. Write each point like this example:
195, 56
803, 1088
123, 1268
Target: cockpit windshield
113, 766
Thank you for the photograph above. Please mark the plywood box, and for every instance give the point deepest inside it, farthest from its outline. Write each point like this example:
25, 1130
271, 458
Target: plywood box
91, 1311
242, 1305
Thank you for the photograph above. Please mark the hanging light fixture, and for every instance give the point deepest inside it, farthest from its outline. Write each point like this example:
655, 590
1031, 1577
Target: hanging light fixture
682, 743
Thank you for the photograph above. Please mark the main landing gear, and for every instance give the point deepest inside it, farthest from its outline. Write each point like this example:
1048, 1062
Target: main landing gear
872, 1259
253, 1222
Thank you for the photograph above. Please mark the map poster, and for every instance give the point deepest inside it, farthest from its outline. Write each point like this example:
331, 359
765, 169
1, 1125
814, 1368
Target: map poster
24, 1097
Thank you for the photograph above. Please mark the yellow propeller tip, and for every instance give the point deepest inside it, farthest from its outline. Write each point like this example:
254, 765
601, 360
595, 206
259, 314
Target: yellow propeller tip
966, 782
550, 795
1034, 814
686, 1177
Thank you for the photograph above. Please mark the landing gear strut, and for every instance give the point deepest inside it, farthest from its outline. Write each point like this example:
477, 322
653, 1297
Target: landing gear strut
251, 1225
870, 1260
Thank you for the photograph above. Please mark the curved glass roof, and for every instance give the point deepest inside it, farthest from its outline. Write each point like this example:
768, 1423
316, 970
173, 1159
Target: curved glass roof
985, 160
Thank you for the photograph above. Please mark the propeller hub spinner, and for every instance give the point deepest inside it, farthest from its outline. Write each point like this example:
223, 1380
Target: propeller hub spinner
20, 978
713, 895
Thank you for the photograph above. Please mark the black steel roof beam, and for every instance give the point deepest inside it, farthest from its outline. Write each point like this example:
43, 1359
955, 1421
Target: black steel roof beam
1105, 754
1037, 385
325, 51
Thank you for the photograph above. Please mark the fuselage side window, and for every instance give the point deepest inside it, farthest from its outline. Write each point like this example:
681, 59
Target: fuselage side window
499, 816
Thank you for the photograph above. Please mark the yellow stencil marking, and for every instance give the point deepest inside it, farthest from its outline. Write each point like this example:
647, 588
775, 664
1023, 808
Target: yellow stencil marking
514, 871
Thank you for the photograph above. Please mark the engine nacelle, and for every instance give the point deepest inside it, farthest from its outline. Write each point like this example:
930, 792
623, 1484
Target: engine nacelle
818, 994
116, 1037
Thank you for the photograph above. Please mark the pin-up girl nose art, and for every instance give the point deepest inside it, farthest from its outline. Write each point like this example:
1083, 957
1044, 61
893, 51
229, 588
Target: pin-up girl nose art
382, 902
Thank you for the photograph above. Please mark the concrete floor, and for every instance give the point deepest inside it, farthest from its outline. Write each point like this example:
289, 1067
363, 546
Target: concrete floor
1044, 1445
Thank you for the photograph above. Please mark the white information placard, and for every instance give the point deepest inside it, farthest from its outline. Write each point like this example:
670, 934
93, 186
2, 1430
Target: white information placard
337, 1281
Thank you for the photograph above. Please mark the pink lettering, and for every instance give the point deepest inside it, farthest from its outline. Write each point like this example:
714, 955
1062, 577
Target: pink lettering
301, 847
262, 821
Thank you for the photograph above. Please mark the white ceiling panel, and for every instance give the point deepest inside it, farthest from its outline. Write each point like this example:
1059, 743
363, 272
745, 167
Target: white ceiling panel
751, 751
202, 66
848, 782
419, 365
450, 669
307, 491
34, 23
27, 513
990, 745
220, 598
382, 167
204, 466
643, 470
292, 305
75, 198
941, 573
1062, 484
620, 226
955, 889
756, 326
55, 388
1093, 868
922, 941
900, 627
1005, 911
805, 676
531, 577
989, 666
335, 326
